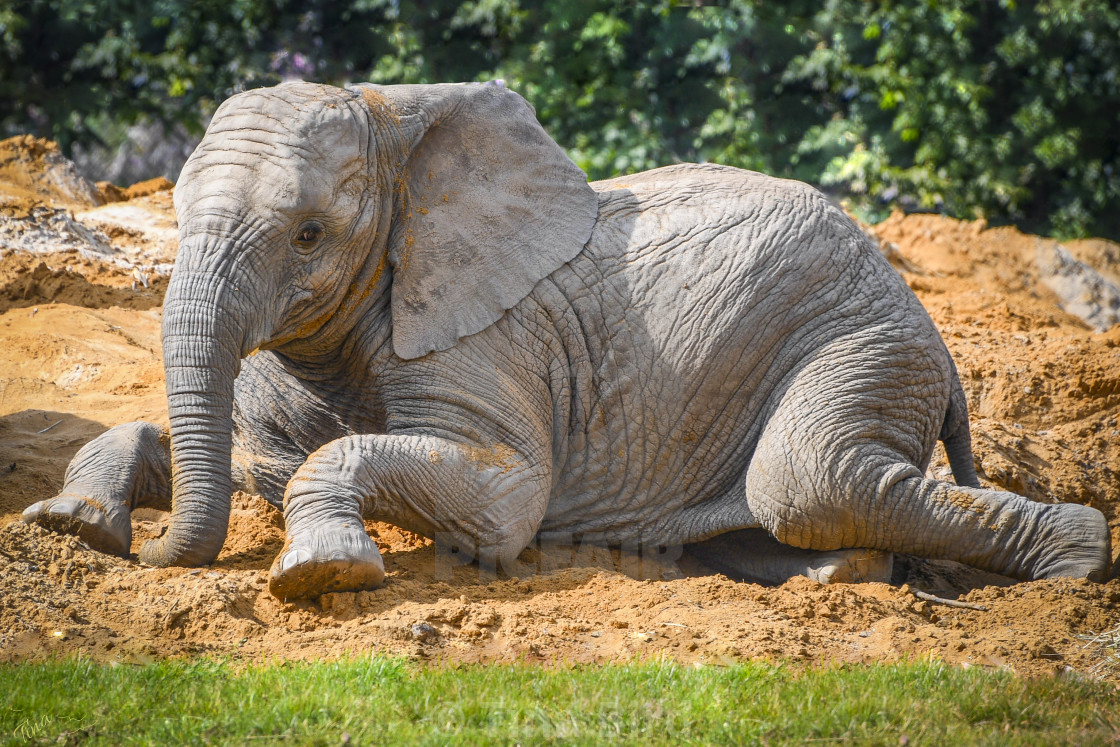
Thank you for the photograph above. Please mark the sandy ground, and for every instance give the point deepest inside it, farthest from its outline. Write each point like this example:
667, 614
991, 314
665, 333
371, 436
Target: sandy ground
79, 335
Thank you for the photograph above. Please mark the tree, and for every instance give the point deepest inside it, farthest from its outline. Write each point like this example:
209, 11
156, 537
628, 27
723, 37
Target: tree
1008, 110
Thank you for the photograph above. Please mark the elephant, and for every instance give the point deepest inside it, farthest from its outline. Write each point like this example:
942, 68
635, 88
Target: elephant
405, 303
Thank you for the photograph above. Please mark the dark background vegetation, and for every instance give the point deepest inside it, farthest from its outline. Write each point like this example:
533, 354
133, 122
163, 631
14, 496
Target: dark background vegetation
1002, 109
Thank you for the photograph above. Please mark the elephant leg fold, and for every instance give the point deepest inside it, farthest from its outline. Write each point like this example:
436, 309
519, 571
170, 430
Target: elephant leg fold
753, 555
478, 500
126, 467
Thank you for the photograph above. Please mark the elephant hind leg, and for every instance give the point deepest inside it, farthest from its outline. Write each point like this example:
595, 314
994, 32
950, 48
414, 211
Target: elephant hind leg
854, 494
840, 464
753, 555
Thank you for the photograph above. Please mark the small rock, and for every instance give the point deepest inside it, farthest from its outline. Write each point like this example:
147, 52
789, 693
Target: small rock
423, 631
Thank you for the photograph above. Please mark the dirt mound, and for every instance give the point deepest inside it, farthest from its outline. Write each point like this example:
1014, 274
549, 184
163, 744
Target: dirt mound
67, 374
32, 280
62, 597
142, 230
1100, 254
36, 169
46, 207
80, 336
1043, 390
149, 187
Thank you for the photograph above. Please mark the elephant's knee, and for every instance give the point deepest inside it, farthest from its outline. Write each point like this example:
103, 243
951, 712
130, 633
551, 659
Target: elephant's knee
807, 521
334, 463
802, 503
831, 504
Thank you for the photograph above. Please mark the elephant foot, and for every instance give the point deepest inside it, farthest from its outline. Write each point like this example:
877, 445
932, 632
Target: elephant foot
343, 560
87, 518
850, 566
1080, 547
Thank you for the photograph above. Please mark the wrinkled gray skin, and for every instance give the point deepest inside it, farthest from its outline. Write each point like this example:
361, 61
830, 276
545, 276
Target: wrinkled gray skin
460, 336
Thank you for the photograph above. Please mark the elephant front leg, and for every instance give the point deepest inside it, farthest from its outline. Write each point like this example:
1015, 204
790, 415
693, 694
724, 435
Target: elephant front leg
126, 467
486, 501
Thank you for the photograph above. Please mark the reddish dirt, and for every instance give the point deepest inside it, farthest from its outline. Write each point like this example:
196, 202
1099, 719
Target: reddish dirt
35, 170
81, 354
29, 280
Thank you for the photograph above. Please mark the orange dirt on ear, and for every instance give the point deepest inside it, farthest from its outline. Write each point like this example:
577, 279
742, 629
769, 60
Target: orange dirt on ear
379, 106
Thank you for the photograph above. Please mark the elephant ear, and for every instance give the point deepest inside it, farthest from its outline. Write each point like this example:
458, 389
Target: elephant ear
487, 206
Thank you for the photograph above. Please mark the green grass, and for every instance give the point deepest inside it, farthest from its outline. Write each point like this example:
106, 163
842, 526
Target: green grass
379, 700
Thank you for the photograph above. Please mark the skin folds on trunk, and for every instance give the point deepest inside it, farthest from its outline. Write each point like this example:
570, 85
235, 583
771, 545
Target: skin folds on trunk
202, 342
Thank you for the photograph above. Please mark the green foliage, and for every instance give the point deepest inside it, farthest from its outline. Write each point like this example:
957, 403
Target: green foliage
377, 700
1004, 110
1008, 110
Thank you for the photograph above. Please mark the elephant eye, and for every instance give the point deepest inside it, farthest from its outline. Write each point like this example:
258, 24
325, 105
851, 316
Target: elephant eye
308, 235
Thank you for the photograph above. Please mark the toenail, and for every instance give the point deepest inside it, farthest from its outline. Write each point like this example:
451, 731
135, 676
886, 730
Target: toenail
63, 506
294, 558
32, 511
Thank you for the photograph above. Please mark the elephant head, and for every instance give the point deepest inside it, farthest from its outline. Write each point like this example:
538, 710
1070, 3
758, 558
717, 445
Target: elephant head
308, 211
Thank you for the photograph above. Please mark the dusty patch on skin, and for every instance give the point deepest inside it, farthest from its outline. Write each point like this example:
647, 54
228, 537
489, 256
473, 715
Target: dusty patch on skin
1045, 398
958, 499
497, 456
95, 503
354, 298
380, 108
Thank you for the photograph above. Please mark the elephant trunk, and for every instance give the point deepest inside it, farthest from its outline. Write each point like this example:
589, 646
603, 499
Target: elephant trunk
203, 342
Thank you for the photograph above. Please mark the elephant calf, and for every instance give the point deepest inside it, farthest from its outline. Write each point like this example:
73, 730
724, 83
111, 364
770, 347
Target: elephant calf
405, 303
